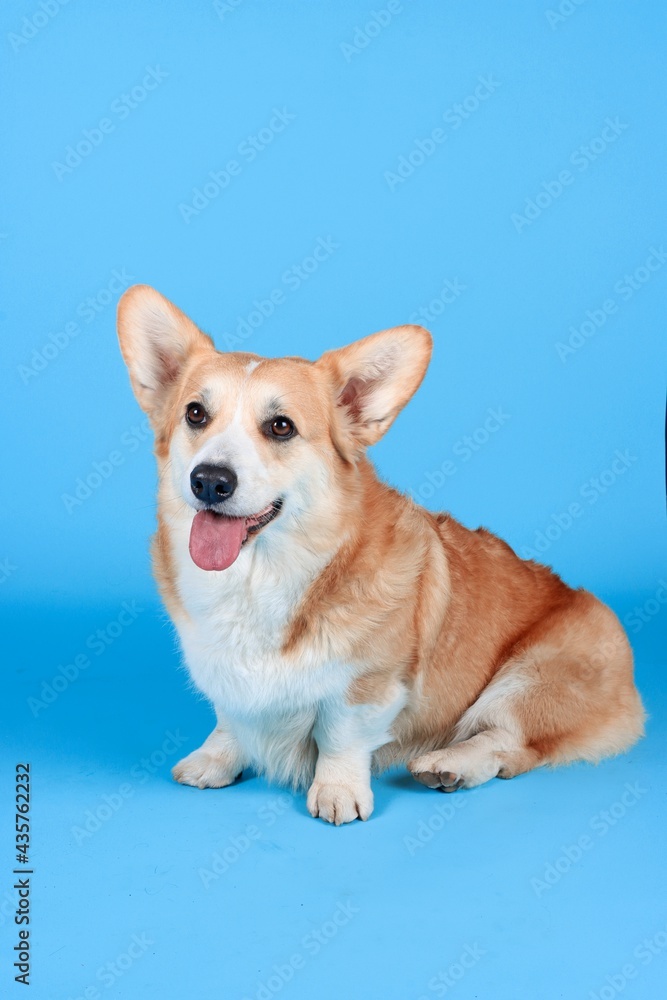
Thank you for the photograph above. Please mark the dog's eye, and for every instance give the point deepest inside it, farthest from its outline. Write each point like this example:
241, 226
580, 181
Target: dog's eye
196, 414
280, 427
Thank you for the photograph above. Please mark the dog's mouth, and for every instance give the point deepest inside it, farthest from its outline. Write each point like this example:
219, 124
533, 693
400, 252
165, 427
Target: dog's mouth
216, 540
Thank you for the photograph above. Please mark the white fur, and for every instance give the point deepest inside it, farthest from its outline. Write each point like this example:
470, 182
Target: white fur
232, 643
274, 713
284, 716
346, 737
488, 729
235, 448
494, 707
471, 762
216, 764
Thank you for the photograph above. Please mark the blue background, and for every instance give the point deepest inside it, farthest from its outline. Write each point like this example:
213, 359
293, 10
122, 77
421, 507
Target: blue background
361, 94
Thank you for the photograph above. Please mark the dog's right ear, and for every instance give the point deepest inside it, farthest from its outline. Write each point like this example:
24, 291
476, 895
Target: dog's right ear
156, 341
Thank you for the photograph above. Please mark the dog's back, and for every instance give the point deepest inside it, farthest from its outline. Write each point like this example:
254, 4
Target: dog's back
331, 621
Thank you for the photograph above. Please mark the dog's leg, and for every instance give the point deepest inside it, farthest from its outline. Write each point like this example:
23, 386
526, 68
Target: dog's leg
474, 761
346, 736
566, 694
217, 763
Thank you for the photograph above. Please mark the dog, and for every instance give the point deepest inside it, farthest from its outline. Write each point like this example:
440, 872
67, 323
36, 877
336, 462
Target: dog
337, 627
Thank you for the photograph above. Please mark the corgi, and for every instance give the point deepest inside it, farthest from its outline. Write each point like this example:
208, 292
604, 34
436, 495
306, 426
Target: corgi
337, 627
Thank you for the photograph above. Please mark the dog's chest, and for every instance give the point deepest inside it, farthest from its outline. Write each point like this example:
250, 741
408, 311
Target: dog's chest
234, 638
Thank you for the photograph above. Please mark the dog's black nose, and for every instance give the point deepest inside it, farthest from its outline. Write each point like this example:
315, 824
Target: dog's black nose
213, 483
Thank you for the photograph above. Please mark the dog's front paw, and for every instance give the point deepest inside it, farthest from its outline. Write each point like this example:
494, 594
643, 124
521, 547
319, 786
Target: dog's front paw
205, 770
339, 803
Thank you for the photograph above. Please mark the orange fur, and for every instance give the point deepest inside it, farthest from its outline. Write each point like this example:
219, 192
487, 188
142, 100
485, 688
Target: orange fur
505, 667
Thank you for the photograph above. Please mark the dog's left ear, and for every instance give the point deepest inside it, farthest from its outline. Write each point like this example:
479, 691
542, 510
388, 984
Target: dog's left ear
372, 380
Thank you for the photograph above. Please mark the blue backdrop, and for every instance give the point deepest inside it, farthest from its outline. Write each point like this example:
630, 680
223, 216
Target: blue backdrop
294, 176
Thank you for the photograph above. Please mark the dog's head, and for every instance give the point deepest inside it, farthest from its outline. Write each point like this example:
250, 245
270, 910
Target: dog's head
244, 440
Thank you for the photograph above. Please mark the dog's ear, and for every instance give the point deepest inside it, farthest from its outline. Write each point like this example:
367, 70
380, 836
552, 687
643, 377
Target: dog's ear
156, 341
372, 380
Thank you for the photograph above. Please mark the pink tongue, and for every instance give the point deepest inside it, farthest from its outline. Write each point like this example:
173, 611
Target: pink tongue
215, 541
